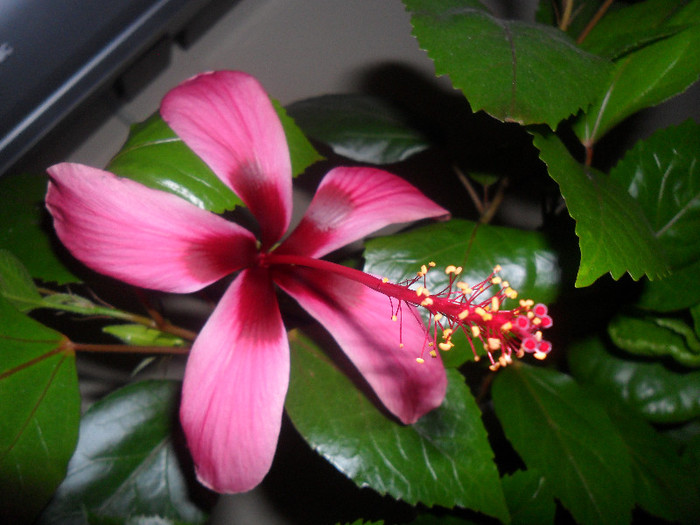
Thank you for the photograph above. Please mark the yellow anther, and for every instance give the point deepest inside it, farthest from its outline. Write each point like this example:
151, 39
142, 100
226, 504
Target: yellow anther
539, 355
477, 358
536, 321
400, 345
422, 290
495, 304
463, 315
496, 280
393, 318
520, 353
458, 270
510, 293
485, 316
433, 353
447, 333
431, 343
507, 326
445, 346
424, 269
502, 361
450, 269
431, 264
426, 302
476, 331
538, 336
385, 279
438, 316
508, 358
530, 315
493, 343
494, 367
463, 287
420, 360
505, 284
497, 268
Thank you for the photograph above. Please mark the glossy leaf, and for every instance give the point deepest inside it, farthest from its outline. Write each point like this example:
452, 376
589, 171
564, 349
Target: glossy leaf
443, 459
360, 127
16, 285
662, 486
646, 77
156, 157
515, 71
656, 337
39, 413
529, 498
614, 234
662, 174
138, 334
126, 464
568, 438
659, 393
24, 229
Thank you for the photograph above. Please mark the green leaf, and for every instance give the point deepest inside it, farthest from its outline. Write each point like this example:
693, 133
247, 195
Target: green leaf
443, 459
360, 127
156, 157
16, 285
138, 334
126, 464
515, 71
614, 235
528, 262
39, 413
678, 291
529, 498
659, 393
301, 151
662, 486
645, 77
633, 26
656, 337
569, 439
24, 228
662, 174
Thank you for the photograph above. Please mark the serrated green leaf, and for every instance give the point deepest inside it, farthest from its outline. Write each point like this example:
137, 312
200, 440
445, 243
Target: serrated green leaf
360, 127
138, 334
39, 413
614, 234
656, 337
126, 464
443, 459
662, 174
659, 393
515, 71
569, 439
643, 78
16, 285
24, 228
529, 498
662, 486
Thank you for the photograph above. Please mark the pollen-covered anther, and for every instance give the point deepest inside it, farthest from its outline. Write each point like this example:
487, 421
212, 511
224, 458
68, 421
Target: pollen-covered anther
453, 270
463, 314
493, 367
510, 293
438, 316
464, 287
539, 355
433, 354
385, 280
446, 345
507, 326
420, 360
493, 344
485, 316
422, 290
426, 302
503, 361
394, 318
495, 304
476, 331
496, 280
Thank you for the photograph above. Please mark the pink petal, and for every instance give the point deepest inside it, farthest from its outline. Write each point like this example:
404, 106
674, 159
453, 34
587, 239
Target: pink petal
142, 236
351, 203
235, 384
359, 319
228, 120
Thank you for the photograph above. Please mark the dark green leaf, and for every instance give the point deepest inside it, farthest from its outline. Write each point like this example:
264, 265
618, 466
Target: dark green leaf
529, 498
529, 264
138, 334
659, 393
39, 413
646, 77
24, 228
360, 127
126, 464
154, 156
301, 151
614, 235
662, 174
515, 71
634, 26
695, 313
443, 459
16, 285
568, 438
662, 486
678, 291
656, 337
549, 12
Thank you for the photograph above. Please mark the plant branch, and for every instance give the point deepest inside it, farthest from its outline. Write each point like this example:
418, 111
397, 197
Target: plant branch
596, 18
128, 349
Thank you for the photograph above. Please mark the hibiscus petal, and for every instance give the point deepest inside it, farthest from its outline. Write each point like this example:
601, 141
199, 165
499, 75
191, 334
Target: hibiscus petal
235, 384
228, 120
142, 236
359, 319
351, 203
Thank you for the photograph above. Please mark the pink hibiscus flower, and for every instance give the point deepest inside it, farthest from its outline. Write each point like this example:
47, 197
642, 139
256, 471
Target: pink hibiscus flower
238, 369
